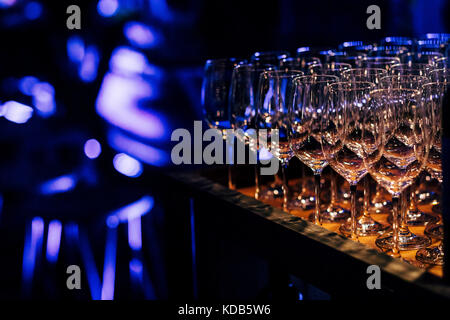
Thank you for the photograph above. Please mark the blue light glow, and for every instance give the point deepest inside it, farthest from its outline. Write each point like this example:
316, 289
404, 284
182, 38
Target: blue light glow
53, 240
107, 8
89, 65
33, 10
92, 149
161, 10
127, 61
265, 154
109, 265
136, 269
7, 3
44, 99
16, 112
118, 103
87, 256
1, 205
26, 84
302, 49
143, 152
127, 165
131, 211
58, 185
135, 233
140, 35
75, 49
32, 249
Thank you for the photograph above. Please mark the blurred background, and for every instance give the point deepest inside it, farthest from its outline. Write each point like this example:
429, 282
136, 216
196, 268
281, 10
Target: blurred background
86, 117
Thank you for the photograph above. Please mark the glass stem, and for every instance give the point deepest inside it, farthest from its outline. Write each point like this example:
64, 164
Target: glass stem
301, 183
317, 219
403, 228
366, 213
230, 177
395, 229
285, 185
257, 189
413, 201
354, 234
333, 186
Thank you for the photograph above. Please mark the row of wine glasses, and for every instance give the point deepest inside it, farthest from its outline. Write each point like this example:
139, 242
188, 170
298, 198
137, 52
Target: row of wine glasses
367, 116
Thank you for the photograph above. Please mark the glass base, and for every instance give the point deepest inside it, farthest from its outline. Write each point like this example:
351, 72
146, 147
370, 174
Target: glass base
416, 263
407, 241
365, 226
332, 214
435, 231
418, 218
301, 202
431, 256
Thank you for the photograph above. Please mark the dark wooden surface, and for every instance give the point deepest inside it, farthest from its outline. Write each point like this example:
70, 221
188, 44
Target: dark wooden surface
237, 232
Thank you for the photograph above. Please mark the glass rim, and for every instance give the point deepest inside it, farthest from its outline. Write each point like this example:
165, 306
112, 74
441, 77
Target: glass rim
412, 65
364, 69
380, 59
404, 76
389, 90
436, 83
283, 73
357, 88
332, 63
311, 76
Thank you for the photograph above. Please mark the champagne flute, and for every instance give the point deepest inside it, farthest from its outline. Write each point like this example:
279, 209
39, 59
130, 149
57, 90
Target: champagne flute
309, 101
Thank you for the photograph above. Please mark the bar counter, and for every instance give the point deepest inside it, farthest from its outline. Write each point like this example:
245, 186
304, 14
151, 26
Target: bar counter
287, 242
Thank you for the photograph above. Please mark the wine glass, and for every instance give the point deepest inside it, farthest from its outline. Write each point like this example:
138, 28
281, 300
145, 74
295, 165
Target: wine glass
414, 216
379, 62
309, 101
379, 203
275, 89
434, 93
373, 75
388, 50
306, 57
215, 92
243, 103
433, 255
342, 144
242, 107
334, 212
417, 69
263, 58
400, 124
353, 60
421, 56
441, 63
330, 68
